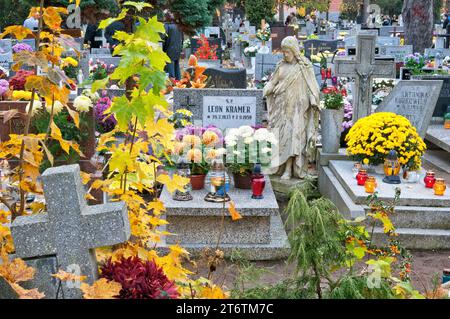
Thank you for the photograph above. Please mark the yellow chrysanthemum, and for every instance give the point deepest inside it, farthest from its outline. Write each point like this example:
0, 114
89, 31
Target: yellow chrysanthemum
192, 140
210, 138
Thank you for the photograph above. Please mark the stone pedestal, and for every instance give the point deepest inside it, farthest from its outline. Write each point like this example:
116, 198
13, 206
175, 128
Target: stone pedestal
197, 225
421, 218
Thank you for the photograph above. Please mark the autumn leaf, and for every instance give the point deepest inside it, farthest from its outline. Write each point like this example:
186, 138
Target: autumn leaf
138, 5
67, 276
52, 18
173, 184
105, 23
18, 31
235, 215
26, 293
16, 271
214, 292
101, 289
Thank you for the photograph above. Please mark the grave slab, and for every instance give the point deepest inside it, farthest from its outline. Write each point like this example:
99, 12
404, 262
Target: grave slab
439, 136
412, 99
260, 234
420, 223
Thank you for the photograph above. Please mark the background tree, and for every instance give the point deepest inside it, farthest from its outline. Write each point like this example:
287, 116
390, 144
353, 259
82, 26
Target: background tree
350, 9
418, 17
260, 9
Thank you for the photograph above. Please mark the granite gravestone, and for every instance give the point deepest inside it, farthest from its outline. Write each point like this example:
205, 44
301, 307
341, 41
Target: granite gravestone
388, 41
398, 52
444, 97
101, 51
220, 78
6, 56
364, 68
224, 108
313, 47
266, 64
70, 230
414, 100
387, 31
434, 52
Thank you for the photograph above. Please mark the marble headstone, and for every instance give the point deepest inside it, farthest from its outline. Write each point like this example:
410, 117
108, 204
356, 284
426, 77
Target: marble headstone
414, 100
398, 52
266, 64
6, 56
444, 98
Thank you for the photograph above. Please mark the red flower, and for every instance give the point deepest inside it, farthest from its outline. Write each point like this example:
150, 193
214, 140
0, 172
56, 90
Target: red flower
139, 279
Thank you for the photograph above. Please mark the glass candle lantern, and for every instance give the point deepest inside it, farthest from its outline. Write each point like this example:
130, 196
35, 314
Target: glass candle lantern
356, 168
219, 184
447, 118
329, 73
183, 170
258, 182
439, 187
370, 185
361, 177
392, 169
429, 179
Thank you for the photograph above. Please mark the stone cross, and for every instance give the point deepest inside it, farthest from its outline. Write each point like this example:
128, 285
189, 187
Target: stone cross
71, 230
312, 49
364, 69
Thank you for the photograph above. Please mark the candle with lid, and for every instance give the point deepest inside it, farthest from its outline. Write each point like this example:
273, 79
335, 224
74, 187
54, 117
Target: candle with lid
370, 185
429, 179
439, 187
361, 177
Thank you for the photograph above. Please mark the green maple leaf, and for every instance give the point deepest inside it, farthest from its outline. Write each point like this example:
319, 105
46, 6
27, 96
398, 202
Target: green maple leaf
105, 23
122, 111
138, 5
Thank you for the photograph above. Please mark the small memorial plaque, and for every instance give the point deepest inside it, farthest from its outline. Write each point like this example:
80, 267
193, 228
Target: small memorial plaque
229, 111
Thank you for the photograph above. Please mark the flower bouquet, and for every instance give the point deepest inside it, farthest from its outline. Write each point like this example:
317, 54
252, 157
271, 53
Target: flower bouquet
251, 51
372, 138
247, 146
22, 47
193, 77
415, 63
264, 34
99, 70
104, 122
206, 51
198, 146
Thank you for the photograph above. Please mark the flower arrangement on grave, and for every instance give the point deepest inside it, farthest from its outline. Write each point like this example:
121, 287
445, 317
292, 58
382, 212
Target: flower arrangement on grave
415, 63
181, 118
17, 82
381, 89
104, 123
193, 78
206, 51
21, 47
372, 138
250, 51
70, 67
333, 98
187, 44
140, 279
347, 124
4, 88
312, 37
99, 70
198, 146
264, 33
247, 146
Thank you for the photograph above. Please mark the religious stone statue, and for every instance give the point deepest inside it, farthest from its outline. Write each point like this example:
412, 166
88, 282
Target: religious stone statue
293, 110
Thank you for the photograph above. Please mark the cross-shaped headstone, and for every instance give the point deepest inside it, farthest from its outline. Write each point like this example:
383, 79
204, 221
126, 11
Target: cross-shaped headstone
364, 69
71, 230
312, 49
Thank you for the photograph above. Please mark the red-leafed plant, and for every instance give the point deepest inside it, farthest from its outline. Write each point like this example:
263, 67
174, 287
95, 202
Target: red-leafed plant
206, 51
17, 82
139, 279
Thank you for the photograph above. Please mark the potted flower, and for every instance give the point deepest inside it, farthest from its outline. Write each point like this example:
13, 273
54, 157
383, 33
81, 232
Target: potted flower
187, 46
348, 121
247, 146
331, 116
199, 146
415, 63
372, 138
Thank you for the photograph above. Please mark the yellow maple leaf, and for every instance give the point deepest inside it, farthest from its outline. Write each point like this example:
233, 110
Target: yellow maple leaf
214, 292
101, 289
26, 293
235, 215
18, 31
173, 184
16, 271
67, 276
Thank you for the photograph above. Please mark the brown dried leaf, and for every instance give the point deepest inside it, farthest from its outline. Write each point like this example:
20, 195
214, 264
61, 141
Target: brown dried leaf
101, 289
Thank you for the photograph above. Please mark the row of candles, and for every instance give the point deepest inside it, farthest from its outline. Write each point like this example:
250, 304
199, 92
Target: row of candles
430, 181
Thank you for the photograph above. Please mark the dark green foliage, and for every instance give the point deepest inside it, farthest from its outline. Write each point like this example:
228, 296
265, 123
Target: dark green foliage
192, 13
355, 287
259, 9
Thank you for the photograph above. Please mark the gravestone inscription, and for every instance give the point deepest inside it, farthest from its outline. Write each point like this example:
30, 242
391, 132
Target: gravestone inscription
398, 52
313, 47
412, 99
444, 97
6, 56
224, 108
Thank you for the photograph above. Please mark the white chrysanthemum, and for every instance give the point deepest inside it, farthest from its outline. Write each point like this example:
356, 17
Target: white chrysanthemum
57, 107
229, 139
37, 106
82, 103
248, 140
246, 131
266, 150
261, 134
236, 153
221, 151
231, 143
